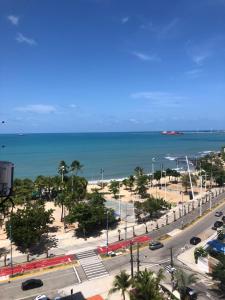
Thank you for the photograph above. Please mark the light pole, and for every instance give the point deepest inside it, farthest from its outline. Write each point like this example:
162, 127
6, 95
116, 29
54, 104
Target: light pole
126, 224
200, 210
120, 203
11, 261
107, 232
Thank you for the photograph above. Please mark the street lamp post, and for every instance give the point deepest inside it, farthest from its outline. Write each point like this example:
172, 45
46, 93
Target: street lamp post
11, 259
107, 232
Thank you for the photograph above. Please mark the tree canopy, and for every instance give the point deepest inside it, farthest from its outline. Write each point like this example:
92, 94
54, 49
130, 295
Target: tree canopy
26, 226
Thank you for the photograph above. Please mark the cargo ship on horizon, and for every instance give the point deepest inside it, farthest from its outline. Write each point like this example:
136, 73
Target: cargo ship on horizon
173, 132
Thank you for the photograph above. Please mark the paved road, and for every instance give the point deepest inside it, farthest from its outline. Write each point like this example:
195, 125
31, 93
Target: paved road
59, 279
52, 282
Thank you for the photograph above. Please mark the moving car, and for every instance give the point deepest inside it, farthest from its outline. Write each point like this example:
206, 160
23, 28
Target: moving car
41, 297
195, 240
217, 224
155, 245
218, 214
31, 284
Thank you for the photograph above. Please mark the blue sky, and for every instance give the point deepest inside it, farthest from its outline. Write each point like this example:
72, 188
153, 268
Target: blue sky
112, 65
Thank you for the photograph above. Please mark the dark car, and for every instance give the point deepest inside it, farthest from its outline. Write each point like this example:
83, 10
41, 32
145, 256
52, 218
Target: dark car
217, 224
155, 245
31, 284
218, 214
223, 218
195, 240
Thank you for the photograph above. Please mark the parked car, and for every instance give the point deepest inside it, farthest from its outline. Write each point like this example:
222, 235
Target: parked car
217, 224
218, 214
31, 284
223, 218
195, 240
155, 245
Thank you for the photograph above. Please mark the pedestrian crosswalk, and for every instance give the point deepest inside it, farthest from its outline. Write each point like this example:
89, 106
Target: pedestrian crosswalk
92, 265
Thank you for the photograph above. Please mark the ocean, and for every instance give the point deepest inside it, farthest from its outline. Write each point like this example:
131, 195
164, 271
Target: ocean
117, 153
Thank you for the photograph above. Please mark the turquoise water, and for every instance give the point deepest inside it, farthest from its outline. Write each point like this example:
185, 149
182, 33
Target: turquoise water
117, 153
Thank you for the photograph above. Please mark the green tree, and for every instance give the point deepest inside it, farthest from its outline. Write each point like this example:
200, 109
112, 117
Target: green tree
122, 282
146, 286
62, 169
138, 171
142, 185
185, 181
184, 280
158, 175
199, 252
90, 215
23, 189
75, 167
27, 226
220, 178
218, 272
114, 188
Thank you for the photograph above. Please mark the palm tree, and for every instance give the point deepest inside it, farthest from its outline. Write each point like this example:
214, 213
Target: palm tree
122, 282
62, 169
138, 171
75, 167
146, 285
184, 280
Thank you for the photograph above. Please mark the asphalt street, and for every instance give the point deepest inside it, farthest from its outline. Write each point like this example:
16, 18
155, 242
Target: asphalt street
54, 281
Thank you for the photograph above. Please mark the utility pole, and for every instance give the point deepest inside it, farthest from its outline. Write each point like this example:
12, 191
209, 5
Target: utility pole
11, 261
126, 224
120, 203
161, 176
107, 232
200, 212
131, 260
172, 268
138, 259
189, 173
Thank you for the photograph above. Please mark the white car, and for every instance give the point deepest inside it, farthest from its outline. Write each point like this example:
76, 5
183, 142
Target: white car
41, 297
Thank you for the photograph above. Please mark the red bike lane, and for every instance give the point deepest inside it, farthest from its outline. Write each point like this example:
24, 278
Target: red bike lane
123, 244
40, 264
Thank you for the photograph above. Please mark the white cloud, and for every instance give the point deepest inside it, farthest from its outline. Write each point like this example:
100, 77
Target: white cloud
37, 109
160, 98
14, 20
166, 29
146, 57
161, 31
200, 58
134, 121
194, 73
23, 39
73, 106
125, 20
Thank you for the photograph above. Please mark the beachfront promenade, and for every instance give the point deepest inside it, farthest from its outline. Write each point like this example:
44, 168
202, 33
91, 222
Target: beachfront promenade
177, 217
